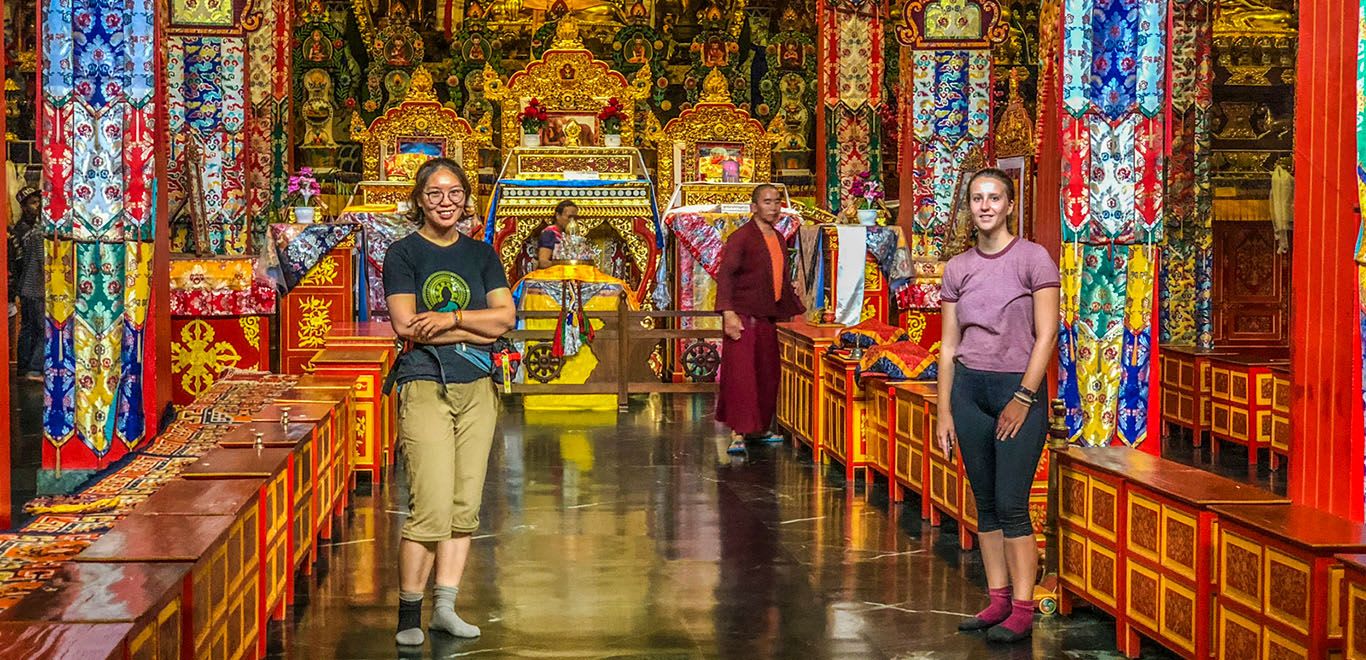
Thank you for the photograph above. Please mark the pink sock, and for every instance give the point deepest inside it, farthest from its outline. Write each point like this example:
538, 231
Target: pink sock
1021, 617
999, 608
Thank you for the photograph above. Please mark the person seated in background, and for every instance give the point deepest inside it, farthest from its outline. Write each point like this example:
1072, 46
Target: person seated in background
566, 212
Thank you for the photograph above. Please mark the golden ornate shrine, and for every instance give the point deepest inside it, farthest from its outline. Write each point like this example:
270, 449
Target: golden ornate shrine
573, 86
403, 138
714, 141
616, 209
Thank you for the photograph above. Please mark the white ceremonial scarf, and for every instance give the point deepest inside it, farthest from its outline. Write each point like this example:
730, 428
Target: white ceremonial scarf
849, 274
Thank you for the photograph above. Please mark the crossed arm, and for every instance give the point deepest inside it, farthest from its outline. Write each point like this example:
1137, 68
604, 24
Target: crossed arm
475, 326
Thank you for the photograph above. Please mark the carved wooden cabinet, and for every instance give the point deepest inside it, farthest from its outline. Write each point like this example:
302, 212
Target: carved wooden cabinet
1168, 564
843, 409
1136, 538
1242, 398
367, 367
800, 346
1279, 584
911, 436
877, 432
1186, 388
323, 298
1354, 606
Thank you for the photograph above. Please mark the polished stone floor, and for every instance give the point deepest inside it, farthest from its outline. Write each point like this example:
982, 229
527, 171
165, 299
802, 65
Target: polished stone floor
637, 537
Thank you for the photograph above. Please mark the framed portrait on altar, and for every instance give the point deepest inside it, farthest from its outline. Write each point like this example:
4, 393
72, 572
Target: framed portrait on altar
1017, 168
723, 162
554, 133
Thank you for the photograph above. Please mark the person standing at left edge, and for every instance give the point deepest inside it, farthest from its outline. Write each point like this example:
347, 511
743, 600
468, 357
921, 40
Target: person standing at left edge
753, 293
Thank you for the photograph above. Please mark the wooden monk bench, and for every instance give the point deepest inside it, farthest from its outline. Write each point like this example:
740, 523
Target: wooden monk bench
315, 481
343, 390
65, 641
244, 500
273, 469
1280, 583
841, 433
877, 431
912, 433
1136, 534
307, 484
361, 333
800, 346
1354, 611
368, 367
145, 595
1243, 398
202, 543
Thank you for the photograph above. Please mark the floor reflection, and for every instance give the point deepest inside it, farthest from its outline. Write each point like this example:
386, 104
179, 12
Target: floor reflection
636, 536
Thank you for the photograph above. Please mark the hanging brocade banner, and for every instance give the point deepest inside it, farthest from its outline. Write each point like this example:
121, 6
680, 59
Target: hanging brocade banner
951, 97
96, 140
1188, 237
851, 34
1114, 93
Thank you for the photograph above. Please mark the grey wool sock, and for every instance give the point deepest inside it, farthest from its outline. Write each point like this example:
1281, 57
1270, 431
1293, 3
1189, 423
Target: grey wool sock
444, 617
409, 619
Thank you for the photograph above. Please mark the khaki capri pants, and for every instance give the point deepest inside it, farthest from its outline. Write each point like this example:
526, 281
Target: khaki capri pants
446, 438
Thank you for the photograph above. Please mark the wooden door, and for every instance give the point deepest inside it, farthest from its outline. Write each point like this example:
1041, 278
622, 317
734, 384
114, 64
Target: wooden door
1251, 286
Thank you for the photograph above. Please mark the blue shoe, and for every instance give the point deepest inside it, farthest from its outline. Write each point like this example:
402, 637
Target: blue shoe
736, 448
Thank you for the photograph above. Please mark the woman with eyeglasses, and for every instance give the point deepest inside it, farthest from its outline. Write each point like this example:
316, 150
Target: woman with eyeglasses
449, 301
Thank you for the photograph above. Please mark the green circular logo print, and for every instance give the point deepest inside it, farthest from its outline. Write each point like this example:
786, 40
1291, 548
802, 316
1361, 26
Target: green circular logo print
445, 291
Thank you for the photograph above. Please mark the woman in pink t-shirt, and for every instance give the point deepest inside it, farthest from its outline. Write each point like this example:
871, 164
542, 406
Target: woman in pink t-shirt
1000, 316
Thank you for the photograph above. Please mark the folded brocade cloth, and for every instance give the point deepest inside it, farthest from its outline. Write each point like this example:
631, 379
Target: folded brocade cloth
902, 360
870, 333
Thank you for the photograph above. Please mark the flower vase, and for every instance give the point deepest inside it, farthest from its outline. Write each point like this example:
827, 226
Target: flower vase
611, 140
304, 214
531, 139
867, 217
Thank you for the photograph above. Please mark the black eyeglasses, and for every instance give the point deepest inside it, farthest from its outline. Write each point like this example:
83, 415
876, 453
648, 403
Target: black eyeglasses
435, 196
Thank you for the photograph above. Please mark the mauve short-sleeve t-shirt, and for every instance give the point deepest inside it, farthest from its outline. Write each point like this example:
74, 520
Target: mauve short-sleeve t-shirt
995, 297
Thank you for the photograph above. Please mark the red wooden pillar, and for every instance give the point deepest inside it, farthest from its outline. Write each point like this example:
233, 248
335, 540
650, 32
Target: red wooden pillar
1325, 348
6, 506
157, 354
1048, 170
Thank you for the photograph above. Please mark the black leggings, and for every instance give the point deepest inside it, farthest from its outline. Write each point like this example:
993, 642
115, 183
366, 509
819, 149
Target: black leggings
1000, 472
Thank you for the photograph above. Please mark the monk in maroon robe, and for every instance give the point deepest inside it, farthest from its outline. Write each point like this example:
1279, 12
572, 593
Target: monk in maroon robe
753, 292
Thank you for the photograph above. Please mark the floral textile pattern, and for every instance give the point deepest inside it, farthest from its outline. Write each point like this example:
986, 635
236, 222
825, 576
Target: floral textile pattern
96, 141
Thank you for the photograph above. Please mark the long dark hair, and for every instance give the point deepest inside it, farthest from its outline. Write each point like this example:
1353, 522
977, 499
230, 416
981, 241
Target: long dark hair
424, 173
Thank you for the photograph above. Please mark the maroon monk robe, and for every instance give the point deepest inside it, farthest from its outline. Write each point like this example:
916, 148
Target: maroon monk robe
748, 394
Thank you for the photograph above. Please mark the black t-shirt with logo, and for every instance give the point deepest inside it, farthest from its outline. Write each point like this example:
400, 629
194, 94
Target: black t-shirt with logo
443, 279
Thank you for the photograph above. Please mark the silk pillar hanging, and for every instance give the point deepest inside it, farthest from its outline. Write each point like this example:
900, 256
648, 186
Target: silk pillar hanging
948, 84
1114, 95
268, 131
228, 130
1188, 241
851, 94
207, 116
96, 138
